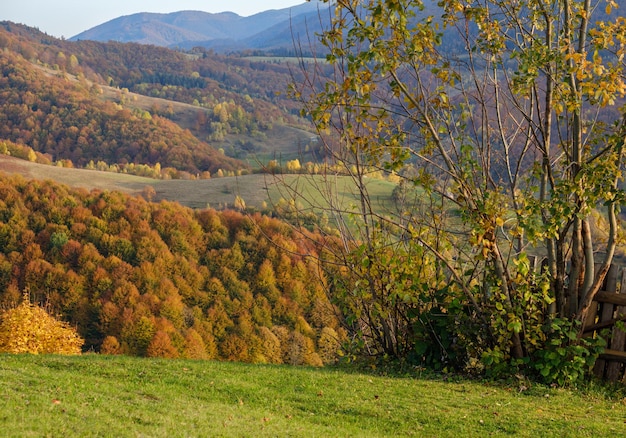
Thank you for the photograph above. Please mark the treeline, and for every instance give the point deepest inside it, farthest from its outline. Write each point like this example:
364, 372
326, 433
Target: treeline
171, 79
156, 172
66, 120
162, 280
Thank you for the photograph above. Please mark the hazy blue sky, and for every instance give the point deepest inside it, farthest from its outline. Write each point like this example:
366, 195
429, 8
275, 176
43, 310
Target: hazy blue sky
70, 17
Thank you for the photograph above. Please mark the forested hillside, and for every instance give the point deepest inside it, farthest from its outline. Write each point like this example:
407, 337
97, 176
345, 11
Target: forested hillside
59, 97
163, 280
222, 78
65, 120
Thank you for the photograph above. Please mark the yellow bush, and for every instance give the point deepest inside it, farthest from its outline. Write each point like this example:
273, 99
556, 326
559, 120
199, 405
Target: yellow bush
271, 346
28, 328
301, 351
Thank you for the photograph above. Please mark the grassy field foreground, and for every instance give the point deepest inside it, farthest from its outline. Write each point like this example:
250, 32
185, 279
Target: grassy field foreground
95, 395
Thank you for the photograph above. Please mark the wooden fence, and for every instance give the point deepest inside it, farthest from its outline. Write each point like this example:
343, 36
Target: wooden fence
608, 312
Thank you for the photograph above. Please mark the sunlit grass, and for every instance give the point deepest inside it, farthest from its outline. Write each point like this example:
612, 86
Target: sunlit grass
120, 396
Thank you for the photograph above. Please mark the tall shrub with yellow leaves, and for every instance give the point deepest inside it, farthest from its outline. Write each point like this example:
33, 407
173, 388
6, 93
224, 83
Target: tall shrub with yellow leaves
28, 328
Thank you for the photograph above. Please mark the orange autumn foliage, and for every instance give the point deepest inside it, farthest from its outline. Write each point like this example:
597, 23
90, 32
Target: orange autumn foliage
159, 279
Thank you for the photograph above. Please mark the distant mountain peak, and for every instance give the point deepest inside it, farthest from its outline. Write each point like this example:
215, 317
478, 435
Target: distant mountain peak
197, 28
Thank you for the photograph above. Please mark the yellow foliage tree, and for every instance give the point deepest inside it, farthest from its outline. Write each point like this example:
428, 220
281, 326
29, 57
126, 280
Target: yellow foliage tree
161, 346
293, 166
329, 345
271, 346
194, 346
110, 346
301, 351
28, 328
239, 204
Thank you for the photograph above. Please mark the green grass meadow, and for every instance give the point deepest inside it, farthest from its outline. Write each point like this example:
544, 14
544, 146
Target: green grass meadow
94, 395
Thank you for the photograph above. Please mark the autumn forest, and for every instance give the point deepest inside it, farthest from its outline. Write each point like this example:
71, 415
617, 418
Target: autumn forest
162, 280
142, 278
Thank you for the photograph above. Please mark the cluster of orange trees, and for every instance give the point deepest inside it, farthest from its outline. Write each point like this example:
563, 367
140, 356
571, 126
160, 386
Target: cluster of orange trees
150, 279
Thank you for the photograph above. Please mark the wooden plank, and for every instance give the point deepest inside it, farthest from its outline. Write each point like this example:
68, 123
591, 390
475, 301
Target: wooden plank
605, 324
612, 298
618, 338
609, 354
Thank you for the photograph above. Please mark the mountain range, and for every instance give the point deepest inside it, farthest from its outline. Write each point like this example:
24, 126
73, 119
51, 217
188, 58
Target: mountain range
226, 31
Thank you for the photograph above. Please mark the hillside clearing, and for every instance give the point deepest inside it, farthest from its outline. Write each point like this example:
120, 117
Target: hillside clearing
255, 189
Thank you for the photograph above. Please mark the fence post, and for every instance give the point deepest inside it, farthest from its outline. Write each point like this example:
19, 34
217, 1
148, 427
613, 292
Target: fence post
606, 313
618, 338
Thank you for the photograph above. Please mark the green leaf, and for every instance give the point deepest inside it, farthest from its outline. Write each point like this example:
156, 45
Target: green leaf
515, 326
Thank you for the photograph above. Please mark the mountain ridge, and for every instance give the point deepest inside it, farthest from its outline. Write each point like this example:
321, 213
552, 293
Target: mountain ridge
219, 31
